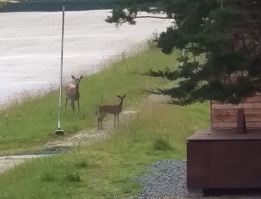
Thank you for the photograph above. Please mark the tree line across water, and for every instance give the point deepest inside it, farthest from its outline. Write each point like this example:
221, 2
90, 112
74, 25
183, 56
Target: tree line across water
56, 5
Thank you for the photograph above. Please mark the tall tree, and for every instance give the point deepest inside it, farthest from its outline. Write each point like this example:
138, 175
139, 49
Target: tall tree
222, 40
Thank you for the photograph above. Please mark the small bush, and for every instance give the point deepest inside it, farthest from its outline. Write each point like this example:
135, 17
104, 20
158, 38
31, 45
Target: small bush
81, 165
47, 177
161, 145
73, 177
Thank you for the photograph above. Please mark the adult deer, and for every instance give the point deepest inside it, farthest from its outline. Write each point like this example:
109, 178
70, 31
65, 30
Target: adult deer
109, 109
72, 92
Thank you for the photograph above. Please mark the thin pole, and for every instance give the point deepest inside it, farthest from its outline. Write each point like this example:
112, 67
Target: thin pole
61, 72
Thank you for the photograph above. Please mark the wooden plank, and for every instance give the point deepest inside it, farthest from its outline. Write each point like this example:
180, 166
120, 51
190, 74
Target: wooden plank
248, 111
252, 111
224, 106
225, 111
253, 124
233, 118
216, 102
248, 105
225, 134
231, 106
256, 98
257, 104
224, 118
253, 118
225, 125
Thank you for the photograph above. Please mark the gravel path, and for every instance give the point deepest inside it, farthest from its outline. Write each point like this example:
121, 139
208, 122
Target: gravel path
89, 136
8, 162
62, 144
167, 179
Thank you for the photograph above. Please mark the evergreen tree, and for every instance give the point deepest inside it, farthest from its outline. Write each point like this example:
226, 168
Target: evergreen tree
222, 41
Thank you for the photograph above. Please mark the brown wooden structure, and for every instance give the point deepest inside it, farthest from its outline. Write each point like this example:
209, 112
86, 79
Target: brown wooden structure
229, 154
224, 116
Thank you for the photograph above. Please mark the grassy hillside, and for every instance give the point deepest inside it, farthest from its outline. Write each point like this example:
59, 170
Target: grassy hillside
103, 170
34, 122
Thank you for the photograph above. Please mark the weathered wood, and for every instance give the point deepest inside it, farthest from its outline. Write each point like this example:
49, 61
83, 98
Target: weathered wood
256, 125
257, 105
253, 118
225, 112
224, 115
253, 99
229, 125
248, 112
225, 125
241, 122
231, 106
233, 118
224, 118
254, 111
224, 159
224, 106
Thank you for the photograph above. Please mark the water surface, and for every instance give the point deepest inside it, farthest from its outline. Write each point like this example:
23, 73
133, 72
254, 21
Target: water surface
30, 45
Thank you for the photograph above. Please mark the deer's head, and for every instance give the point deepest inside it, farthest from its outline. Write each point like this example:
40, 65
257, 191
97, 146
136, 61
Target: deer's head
77, 80
121, 97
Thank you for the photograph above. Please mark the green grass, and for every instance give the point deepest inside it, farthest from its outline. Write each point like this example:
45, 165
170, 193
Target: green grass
106, 169
33, 122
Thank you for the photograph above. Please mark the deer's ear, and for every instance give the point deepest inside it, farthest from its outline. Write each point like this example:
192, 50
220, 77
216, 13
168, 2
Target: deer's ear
124, 95
118, 96
81, 77
73, 77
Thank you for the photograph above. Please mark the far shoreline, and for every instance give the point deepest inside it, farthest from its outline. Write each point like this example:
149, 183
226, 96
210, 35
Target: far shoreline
56, 5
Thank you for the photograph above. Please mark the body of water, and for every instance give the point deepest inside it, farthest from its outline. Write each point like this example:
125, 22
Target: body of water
30, 45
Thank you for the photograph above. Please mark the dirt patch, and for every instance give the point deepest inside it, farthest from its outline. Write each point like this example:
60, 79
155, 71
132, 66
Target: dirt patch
8, 162
89, 136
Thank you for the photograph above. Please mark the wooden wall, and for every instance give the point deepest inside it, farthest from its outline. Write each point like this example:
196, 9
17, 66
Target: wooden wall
223, 116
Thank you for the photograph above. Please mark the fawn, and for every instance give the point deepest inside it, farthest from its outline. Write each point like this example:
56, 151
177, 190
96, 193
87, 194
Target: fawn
109, 109
72, 92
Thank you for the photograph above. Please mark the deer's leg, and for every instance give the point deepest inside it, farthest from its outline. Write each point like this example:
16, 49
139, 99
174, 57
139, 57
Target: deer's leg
101, 119
101, 123
97, 114
78, 101
98, 123
72, 104
118, 119
66, 100
114, 120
